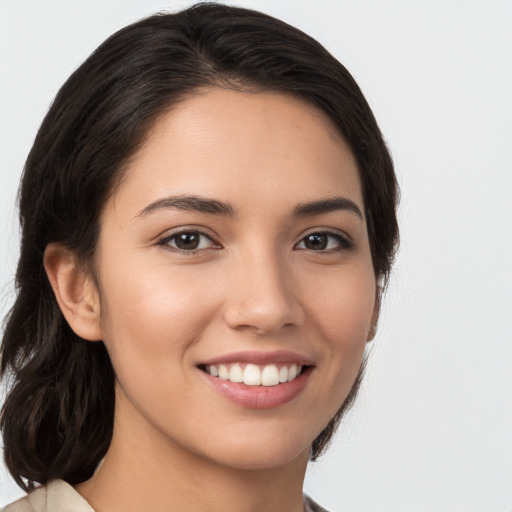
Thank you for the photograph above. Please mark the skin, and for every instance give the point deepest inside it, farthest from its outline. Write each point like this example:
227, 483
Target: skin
253, 284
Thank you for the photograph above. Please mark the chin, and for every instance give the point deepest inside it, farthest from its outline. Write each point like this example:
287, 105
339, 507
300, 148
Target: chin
263, 448
256, 458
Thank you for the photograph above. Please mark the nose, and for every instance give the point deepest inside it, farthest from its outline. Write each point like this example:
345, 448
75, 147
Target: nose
262, 295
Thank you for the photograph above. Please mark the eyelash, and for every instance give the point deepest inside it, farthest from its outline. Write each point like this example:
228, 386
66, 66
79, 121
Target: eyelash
343, 242
165, 242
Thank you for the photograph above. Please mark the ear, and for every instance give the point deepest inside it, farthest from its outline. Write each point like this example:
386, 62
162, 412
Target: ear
375, 315
75, 291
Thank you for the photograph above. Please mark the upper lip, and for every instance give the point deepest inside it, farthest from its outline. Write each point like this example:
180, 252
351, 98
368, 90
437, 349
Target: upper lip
261, 358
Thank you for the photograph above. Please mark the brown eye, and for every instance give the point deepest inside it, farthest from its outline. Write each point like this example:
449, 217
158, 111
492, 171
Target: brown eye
188, 241
324, 242
316, 242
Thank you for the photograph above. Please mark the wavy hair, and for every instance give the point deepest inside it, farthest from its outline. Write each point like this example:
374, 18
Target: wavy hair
57, 420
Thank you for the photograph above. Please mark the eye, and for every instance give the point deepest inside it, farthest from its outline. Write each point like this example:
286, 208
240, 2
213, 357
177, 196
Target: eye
188, 241
324, 241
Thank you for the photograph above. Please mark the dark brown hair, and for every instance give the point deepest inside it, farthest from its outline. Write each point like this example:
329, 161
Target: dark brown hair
58, 417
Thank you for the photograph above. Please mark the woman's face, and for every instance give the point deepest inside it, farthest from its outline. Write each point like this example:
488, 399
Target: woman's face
235, 249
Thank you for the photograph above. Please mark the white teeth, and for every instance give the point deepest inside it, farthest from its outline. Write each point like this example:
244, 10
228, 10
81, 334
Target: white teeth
254, 375
236, 373
270, 375
223, 372
292, 372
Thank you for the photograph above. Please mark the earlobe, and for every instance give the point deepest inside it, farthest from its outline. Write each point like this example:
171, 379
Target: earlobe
75, 291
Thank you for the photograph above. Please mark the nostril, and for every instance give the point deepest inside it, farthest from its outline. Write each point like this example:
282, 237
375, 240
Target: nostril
262, 317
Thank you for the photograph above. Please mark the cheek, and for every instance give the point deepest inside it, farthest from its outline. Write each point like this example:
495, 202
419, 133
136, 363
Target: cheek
344, 308
343, 315
152, 316
152, 319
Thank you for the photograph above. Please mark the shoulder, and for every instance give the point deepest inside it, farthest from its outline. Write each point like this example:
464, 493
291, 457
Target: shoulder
33, 502
57, 496
312, 506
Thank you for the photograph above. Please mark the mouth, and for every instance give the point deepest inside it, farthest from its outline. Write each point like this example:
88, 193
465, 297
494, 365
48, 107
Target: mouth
258, 381
254, 374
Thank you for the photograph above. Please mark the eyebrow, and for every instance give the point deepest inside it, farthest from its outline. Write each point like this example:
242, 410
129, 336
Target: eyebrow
190, 203
215, 207
326, 206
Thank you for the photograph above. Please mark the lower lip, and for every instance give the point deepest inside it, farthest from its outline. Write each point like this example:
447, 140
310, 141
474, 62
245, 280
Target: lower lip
259, 397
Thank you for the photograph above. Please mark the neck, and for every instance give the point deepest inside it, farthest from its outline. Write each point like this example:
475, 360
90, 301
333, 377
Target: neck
169, 478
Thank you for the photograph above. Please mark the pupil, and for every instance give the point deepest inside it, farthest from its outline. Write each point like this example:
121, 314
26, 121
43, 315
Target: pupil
316, 242
187, 241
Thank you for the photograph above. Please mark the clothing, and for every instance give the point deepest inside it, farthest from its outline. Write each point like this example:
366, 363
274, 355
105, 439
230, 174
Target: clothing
311, 506
59, 496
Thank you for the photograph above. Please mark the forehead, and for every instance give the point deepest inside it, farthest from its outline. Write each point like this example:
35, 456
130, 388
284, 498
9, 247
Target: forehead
238, 145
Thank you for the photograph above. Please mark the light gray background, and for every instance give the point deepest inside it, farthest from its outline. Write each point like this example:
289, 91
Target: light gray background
432, 430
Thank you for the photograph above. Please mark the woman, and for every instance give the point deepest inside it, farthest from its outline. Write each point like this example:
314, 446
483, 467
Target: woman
208, 217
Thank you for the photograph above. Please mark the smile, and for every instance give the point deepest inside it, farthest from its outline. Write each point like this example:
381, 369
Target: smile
255, 375
258, 380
